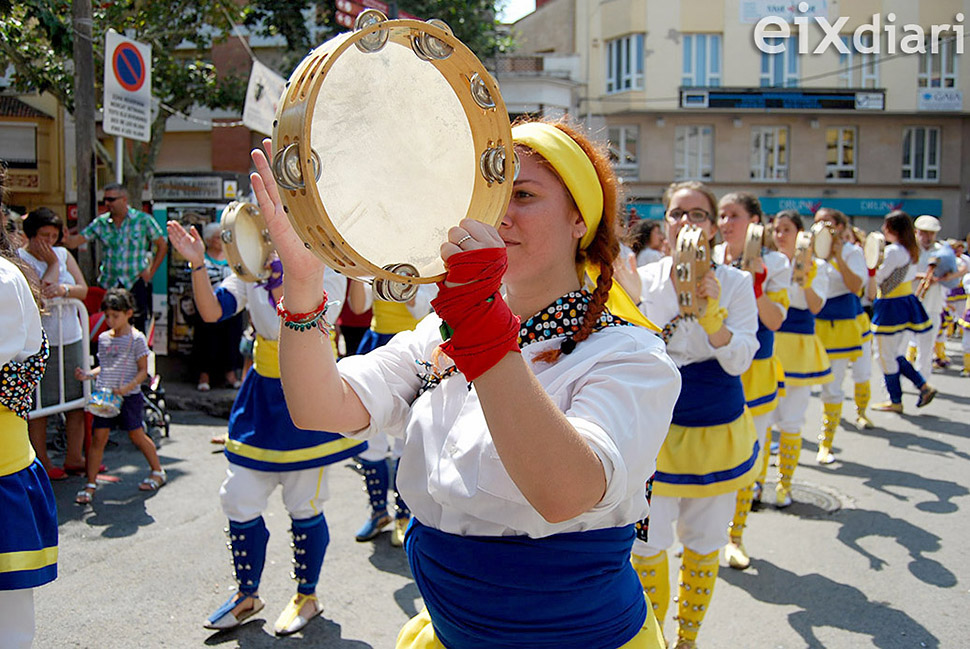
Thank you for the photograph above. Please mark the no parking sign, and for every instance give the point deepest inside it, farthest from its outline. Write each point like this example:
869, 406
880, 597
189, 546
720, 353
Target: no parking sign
127, 87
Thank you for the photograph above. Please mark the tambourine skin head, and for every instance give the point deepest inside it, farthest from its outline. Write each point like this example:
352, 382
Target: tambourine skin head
389, 148
873, 251
246, 241
692, 260
754, 242
802, 260
823, 240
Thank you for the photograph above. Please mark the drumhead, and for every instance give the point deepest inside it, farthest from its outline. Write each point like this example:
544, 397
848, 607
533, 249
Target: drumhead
753, 244
875, 242
692, 260
822, 240
246, 240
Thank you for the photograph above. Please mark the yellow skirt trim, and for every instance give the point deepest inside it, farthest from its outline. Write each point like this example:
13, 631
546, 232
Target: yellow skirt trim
840, 338
904, 289
286, 457
707, 461
16, 453
803, 357
418, 633
28, 559
763, 383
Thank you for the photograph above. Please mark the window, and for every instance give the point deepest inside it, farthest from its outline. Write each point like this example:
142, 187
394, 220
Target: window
702, 60
840, 154
18, 145
624, 64
623, 149
693, 152
921, 154
769, 153
858, 70
780, 70
938, 70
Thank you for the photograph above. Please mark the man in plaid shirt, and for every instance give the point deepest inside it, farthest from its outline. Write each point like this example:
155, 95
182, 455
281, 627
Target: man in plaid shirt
127, 237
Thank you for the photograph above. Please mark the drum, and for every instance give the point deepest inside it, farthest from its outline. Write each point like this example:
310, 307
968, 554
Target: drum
802, 260
823, 238
104, 403
754, 243
692, 260
386, 137
246, 240
875, 244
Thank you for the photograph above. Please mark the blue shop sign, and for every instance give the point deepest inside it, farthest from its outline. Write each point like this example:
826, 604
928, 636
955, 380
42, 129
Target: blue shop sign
647, 210
852, 206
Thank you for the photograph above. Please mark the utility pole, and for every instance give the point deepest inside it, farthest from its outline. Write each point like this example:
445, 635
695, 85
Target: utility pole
84, 125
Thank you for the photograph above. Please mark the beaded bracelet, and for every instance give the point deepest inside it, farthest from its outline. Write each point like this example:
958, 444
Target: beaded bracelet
305, 321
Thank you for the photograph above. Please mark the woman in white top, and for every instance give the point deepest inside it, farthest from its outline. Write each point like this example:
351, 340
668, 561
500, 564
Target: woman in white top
61, 277
711, 450
524, 467
896, 312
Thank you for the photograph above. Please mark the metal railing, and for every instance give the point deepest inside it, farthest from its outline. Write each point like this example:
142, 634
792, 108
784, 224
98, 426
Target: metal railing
57, 309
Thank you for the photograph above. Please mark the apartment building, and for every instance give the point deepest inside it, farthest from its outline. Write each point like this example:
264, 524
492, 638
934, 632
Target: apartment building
681, 90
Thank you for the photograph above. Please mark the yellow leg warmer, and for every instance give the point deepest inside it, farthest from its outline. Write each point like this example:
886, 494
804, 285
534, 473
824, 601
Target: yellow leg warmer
939, 348
742, 507
790, 449
831, 416
966, 365
695, 589
654, 574
911, 354
862, 396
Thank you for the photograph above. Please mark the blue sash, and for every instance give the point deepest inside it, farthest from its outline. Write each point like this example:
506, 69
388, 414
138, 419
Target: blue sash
709, 396
766, 341
576, 590
843, 307
799, 321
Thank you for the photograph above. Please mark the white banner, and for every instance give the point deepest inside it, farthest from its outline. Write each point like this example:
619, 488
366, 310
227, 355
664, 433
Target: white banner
263, 95
754, 10
941, 99
127, 87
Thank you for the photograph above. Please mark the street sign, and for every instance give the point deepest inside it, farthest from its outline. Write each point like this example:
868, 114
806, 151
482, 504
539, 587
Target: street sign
127, 87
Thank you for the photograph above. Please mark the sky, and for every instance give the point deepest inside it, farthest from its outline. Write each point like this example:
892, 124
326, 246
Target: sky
515, 9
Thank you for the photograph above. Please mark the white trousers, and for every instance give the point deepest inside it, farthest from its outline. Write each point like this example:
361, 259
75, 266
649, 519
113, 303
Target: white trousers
933, 304
381, 446
17, 618
965, 341
761, 425
245, 492
862, 366
702, 523
832, 391
790, 413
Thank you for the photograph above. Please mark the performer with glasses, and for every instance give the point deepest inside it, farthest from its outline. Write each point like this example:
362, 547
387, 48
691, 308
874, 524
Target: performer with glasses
711, 450
527, 444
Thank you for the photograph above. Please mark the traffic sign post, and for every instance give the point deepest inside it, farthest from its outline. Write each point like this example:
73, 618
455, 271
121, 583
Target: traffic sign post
127, 87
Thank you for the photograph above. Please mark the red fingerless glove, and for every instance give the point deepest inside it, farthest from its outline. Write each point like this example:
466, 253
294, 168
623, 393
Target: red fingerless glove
872, 272
759, 283
483, 328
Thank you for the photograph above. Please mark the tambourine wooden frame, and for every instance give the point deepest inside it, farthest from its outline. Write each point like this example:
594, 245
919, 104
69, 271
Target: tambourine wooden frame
754, 243
802, 259
236, 262
692, 260
490, 127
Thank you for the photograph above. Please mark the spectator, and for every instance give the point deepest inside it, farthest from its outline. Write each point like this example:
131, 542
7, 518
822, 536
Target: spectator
60, 277
215, 346
8, 220
126, 236
646, 239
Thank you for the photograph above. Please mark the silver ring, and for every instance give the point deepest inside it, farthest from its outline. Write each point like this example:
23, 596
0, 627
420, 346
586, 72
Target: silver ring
463, 240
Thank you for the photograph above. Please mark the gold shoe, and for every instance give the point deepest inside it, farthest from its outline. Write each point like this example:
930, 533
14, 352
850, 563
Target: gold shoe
889, 406
863, 423
737, 557
400, 529
297, 614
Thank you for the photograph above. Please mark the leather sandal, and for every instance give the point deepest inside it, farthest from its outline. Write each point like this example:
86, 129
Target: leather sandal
84, 497
155, 481
292, 619
224, 618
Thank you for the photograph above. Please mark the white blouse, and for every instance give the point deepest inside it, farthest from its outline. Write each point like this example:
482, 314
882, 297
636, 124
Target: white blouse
20, 329
820, 284
855, 260
778, 271
689, 343
617, 388
895, 256
63, 320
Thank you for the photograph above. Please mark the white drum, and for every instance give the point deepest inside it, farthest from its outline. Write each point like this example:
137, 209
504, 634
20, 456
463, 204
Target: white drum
385, 138
692, 260
247, 241
802, 260
754, 243
823, 239
873, 249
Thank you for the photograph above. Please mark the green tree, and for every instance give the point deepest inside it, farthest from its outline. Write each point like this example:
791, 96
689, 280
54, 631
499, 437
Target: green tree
37, 39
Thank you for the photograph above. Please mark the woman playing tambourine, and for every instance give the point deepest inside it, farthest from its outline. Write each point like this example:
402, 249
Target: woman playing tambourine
529, 434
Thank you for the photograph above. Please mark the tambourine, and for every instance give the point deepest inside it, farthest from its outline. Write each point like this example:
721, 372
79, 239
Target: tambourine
104, 403
823, 240
873, 249
754, 243
246, 240
692, 260
386, 137
802, 260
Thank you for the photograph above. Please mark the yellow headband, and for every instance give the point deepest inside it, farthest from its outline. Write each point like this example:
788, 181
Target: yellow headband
573, 166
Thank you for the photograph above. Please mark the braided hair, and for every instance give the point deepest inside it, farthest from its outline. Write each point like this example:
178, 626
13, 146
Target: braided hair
603, 249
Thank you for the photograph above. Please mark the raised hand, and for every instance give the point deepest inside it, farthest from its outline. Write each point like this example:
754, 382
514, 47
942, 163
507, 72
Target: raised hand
188, 242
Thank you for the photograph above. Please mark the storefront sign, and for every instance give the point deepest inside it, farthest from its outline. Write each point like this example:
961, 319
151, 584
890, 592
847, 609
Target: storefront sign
852, 206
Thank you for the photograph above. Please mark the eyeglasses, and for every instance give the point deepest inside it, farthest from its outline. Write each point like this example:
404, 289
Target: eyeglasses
696, 215
112, 199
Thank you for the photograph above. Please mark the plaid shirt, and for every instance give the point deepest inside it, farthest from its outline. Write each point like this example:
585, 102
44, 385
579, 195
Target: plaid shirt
126, 250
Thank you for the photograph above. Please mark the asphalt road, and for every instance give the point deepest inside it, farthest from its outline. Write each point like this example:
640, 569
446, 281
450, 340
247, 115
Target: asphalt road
870, 555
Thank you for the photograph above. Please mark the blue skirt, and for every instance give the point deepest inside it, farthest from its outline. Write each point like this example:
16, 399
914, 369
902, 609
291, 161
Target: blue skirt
28, 536
897, 314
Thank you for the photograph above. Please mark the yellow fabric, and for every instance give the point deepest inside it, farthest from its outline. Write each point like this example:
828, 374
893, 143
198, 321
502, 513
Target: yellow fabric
904, 289
573, 166
28, 559
779, 297
266, 357
865, 325
789, 450
16, 453
654, 575
713, 317
705, 451
939, 347
862, 396
698, 574
764, 377
619, 303
292, 610
742, 507
418, 633
392, 318
285, 457
911, 353
840, 335
802, 354
831, 416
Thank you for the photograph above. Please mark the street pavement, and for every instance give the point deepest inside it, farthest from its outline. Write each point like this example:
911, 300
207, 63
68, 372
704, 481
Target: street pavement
870, 554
